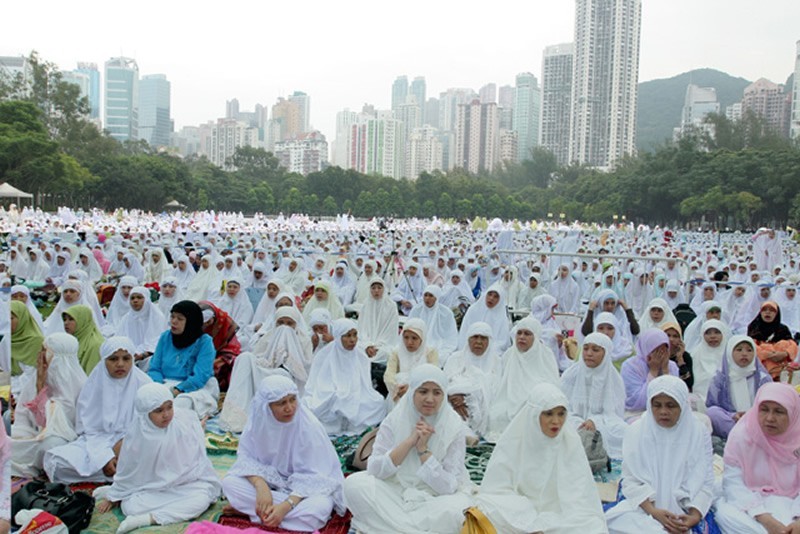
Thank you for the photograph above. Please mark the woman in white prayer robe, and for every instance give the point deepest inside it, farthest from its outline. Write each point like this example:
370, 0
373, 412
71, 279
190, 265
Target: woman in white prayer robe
365, 280
473, 374
339, 389
526, 363
104, 412
183, 272
489, 309
119, 305
566, 290
235, 302
143, 325
456, 290
170, 295
206, 285
286, 473
46, 406
538, 478
283, 351
667, 467
596, 393
415, 480
324, 297
439, 321
412, 351
378, 323
164, 475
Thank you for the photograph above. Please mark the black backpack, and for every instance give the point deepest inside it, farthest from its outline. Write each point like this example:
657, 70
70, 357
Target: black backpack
74, 509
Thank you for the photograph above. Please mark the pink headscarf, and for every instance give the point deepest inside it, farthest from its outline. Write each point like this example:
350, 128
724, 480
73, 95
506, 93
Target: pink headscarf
769, 464
101, 259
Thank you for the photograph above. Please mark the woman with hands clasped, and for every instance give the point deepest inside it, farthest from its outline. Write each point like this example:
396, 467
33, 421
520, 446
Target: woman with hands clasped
416, 473
667, 473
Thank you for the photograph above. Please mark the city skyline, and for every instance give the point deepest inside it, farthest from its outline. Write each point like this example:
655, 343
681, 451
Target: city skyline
262, 65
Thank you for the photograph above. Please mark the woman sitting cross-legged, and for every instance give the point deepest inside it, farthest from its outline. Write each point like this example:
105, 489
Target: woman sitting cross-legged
761, 481
538, 478
287, 473
667, 467
163, 476
415, 475
104, 412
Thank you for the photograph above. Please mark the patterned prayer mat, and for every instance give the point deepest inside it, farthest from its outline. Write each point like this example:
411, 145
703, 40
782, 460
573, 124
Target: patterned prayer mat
337, 524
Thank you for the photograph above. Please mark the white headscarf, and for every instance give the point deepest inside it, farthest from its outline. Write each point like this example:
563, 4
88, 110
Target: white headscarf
145, 326
332, 303
563, 483
165, 303
496, 317
663, 462
404, 417
646, 322
741, 395
707, 360
439, 322
340, 382
238, 307
292, 457
119, 304
521, 371
284, 348
378, 320
407, 361
154, 458
622, 347
452, 293
105, 405
266, 306
185, 277
37, 316
65, 380
594, 391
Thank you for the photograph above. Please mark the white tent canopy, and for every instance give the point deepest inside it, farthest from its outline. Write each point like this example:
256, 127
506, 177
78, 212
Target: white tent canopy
9, 191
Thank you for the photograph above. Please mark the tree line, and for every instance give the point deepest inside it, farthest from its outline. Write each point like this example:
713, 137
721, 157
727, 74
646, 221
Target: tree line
741, 177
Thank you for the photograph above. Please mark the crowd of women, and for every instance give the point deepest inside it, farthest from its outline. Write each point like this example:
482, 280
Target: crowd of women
668, 346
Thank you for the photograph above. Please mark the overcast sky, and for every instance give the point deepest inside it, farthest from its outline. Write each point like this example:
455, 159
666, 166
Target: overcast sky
348, 52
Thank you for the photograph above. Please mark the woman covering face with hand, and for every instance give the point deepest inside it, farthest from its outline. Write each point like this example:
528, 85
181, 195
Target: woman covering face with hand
651, 361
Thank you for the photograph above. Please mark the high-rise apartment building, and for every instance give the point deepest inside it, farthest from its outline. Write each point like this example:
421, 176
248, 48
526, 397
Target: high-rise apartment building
795, 126
303, 103
122, 98
605, 81
527, 108
432, 112
225, 136
17, 69
508, 146
488, 93
418, 90
93, 94
304, 154
376, 145
155, 123
769, 101
289, 117
556, 100
399, 92
505, 101
423, 152
476, 137
698, 103
339, 148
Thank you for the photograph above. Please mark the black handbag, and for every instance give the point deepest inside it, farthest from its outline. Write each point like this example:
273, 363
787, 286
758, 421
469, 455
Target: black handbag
74, 509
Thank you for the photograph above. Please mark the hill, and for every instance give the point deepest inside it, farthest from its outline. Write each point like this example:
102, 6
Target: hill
661, 102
